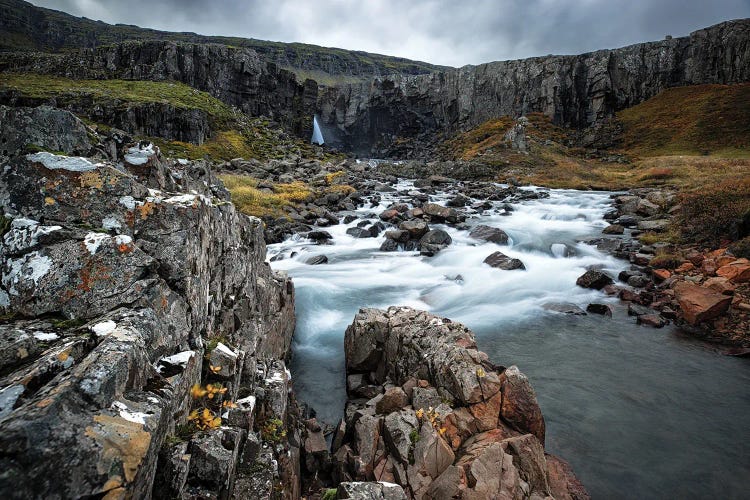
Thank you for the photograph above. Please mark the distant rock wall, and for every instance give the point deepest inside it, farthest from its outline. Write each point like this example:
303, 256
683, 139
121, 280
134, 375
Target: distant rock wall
126, 288
237, 76
575, 91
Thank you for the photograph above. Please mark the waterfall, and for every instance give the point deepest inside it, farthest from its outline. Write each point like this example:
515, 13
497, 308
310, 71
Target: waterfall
317, 135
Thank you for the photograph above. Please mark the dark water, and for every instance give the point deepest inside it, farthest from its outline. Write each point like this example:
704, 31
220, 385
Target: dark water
638, 412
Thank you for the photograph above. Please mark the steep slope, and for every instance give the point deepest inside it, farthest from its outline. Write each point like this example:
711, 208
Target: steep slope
24, 26
574, 91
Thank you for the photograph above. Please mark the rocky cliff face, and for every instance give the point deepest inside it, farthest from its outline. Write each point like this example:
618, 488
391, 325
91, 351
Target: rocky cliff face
429, 412
132, 292
575, 91
236, 76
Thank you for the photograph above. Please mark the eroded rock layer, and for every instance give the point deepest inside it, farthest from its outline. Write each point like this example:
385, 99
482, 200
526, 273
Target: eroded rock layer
132, 292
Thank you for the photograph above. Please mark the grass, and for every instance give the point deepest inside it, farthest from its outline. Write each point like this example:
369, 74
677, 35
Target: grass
708, 120
252, 200
178, 95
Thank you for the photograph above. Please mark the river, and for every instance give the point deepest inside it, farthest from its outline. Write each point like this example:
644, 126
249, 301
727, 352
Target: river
638, 412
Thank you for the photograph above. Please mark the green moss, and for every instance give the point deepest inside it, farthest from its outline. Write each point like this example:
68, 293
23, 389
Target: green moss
67, 324
4, 224
666, 261
329, 494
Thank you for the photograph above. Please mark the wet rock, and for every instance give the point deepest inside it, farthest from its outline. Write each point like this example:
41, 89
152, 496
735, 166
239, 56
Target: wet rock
433, 242
614, 229
594, 279
320, 236
439, 213
699, 304
389, 245
415, 228
488, 233
499, 260
564, 308
602, 309
519, 406
654, 320
316, 260
359, 232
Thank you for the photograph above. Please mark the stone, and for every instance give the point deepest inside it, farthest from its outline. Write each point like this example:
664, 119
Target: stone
657, 226
424, 398
439, 213
602, 309
721, 285
562, 481
661, 274
359, 232
370, 491
519, 406
654, 320
499, 260
415, 228
614, 229
316, 260
393, 399
594, 279
699, 304
319, 236
399, 427
564, 308
433, 242
488, 233
737, 271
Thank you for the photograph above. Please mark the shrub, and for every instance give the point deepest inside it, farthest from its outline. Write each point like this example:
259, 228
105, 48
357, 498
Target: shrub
716, 212
666, 261
741, 248
329, 494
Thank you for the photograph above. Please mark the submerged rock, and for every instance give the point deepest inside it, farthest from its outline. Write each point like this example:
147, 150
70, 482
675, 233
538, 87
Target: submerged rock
594, 279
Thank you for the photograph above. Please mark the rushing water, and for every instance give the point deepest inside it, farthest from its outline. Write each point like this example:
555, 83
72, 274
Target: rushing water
639, 412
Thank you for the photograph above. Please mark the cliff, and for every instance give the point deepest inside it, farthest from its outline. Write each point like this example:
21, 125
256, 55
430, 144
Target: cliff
236, 76
24, 26
137, 314
575, 91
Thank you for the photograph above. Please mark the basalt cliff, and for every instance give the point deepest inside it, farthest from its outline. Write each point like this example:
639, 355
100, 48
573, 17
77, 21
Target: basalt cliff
394, 116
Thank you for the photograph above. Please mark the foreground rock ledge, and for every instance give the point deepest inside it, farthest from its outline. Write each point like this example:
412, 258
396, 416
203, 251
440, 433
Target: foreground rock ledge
123, 284
429, 412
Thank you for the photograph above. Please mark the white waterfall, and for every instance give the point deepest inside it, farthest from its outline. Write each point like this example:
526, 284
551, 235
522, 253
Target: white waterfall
317, 135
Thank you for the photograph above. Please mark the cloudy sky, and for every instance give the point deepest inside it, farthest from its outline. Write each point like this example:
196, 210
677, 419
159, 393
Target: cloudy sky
446, 32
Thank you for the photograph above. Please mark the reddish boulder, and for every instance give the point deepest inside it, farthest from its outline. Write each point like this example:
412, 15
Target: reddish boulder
699, 304
737, 271
520, 407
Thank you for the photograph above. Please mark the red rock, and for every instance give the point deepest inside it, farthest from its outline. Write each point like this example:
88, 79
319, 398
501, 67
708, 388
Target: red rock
388, 214
487, 412
720, 284
695, 257
725, 260
708, 267
738, 271
718, 253
661, 274
562, 481
394, 399
699, 304
685, 268
519, 406
654, 320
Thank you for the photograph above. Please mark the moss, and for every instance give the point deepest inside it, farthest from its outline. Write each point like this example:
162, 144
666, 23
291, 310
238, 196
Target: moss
414, 436
67, 324
329, 494
4, 224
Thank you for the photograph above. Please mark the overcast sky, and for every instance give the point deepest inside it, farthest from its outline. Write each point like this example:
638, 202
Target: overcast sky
438, 31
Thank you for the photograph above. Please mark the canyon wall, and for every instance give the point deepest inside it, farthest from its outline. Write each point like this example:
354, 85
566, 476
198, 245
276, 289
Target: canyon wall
577, 91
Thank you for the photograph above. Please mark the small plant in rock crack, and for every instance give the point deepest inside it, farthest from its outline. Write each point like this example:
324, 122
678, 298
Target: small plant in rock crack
272, 430
209, 403
433, 417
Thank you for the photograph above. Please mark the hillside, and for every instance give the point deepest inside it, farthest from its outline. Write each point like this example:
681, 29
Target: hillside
686, 137
26, 27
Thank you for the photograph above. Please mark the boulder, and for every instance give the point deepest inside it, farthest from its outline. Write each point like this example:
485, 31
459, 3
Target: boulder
737, 271
439, 213
564, 308
316, 260
520, 407
489, 233
433, 242
603, 309
613, 229
499, 260
594, 279
370, 491
393, 399
699, 304
415, 228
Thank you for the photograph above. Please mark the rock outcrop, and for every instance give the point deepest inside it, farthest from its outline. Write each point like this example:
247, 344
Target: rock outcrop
143, 337
429, 412
236, 76
576, 91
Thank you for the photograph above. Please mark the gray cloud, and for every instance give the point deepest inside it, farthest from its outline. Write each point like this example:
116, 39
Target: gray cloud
437, 31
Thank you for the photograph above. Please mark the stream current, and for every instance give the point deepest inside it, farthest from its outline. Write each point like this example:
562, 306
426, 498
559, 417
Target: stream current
638, 412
